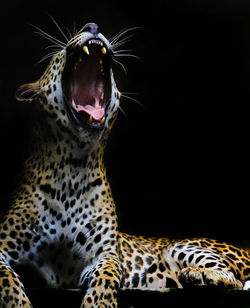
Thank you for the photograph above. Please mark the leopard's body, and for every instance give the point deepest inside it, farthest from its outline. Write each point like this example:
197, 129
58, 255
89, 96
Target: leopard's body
63, 219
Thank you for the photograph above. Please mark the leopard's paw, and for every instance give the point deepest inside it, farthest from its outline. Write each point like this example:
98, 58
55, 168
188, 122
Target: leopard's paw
195, 276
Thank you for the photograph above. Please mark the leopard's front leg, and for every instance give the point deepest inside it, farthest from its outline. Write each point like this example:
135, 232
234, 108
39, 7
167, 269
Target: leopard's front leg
11, 289
103, 282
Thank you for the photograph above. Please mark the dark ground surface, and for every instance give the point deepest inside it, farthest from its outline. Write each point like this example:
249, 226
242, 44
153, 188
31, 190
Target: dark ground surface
200, 297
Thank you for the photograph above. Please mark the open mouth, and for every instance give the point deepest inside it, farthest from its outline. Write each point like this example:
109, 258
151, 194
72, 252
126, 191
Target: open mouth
86, 83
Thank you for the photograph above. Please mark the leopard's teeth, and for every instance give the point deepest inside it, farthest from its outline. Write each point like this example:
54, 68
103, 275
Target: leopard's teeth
102, 120
104, 50
74, 105
94, 41
90, 119
85, 49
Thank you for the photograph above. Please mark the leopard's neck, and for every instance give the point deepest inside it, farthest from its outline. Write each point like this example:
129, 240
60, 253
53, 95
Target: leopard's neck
59, 159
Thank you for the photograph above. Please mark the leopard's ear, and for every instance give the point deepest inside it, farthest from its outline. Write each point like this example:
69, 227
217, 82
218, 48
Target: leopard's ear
26, 92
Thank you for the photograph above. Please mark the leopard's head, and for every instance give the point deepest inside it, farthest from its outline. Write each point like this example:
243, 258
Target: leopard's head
78, 89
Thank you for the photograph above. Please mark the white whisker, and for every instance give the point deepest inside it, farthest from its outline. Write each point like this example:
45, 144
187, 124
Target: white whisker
63, 34
48, 56
128, 55
123, 112
122, 65
121, 50
123, 41
74, 29
58, 44
131, 98
69, 33
52, 46
116, 37
49, 37
120, 39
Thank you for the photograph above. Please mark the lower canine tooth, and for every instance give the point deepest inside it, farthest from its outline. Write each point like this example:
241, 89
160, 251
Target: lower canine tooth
90, 119
74, 105
85, 48
102, 120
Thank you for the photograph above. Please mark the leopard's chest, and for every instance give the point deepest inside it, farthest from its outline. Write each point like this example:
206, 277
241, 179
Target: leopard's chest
69, 229
61, 255
65, 242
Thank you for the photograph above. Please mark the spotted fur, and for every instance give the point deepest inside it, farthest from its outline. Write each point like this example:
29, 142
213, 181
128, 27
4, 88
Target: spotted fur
63, 220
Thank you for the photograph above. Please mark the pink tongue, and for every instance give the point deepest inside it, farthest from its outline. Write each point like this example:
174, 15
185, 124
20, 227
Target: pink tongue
96, 113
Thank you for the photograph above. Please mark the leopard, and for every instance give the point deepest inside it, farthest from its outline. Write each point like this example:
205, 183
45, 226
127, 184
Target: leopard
62, 219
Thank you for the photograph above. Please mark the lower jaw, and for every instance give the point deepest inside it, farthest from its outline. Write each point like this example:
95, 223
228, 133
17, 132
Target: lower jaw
86, 121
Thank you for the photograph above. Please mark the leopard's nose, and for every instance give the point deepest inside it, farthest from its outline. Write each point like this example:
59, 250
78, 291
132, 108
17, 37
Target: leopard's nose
91, 27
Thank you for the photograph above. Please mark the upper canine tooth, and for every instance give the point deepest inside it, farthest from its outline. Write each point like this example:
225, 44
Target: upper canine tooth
104, 50
85, 48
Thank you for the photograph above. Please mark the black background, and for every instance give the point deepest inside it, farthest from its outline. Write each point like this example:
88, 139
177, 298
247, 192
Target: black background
179, 166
